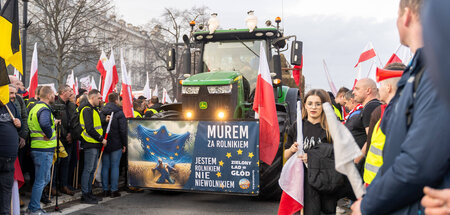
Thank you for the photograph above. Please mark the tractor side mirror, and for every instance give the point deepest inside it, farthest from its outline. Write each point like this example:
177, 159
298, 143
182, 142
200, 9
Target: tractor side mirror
296, 53
186, 40
171, 59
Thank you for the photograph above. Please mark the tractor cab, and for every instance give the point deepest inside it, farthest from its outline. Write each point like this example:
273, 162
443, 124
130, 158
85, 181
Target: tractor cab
223, 83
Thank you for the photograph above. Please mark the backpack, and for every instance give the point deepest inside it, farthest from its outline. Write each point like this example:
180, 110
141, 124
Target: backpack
76, 126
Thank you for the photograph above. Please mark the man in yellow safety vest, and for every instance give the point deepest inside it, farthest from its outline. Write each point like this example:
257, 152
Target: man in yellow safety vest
42, 125
91, 141
388, 79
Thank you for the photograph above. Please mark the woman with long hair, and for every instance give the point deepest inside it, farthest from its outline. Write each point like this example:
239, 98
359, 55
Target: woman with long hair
321, 183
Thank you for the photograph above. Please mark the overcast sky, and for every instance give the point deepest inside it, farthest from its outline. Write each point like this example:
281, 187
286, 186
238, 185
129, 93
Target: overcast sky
336, 31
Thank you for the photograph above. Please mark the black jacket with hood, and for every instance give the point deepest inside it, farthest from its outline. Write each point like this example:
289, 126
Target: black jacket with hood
117, 136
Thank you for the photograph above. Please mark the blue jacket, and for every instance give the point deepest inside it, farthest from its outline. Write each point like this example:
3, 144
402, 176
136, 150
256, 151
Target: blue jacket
414, 156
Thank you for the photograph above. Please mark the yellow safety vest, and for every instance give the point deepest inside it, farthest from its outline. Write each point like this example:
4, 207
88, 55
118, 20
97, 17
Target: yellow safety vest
36, 133
153, 111
137, 114
374, 159
97, 126
337, 112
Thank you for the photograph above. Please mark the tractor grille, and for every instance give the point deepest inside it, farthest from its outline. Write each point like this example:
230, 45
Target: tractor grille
215, 103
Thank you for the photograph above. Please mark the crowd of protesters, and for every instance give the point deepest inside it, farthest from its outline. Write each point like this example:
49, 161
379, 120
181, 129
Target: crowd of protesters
399, 126
31, 128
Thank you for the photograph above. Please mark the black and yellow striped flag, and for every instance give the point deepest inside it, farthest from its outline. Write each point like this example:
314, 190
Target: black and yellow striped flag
10, 51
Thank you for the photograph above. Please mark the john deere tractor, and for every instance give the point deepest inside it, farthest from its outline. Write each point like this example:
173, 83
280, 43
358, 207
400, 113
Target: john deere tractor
222, 84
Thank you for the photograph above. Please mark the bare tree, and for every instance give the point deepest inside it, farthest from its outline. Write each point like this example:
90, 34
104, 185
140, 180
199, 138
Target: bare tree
167, 32
69, 33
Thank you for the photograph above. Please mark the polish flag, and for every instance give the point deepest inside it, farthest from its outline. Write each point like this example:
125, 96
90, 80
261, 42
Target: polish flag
33, 73
292, 176
147, 92
155, 92
71, 82
297, 74
330, 81
127, 101
101, 67
76, 86
17, 74
93, 85
368, 53
111, 78
166, 97
394, 59
264, 106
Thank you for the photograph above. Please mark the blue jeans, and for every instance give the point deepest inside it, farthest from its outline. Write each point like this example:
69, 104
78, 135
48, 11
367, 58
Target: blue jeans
111, 161
90, 163
42, 165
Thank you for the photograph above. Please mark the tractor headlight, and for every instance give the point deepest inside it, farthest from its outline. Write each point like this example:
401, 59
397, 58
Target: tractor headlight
224, 89
188, 115
190, 90
220, 115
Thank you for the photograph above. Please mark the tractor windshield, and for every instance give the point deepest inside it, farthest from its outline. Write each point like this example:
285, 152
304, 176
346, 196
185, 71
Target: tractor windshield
238, 55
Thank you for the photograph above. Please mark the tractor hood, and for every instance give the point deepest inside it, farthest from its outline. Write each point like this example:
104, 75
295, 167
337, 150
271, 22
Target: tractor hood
212, 78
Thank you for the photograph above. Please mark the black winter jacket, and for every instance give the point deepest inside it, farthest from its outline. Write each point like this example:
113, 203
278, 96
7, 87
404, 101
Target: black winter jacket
66, 116
117, 136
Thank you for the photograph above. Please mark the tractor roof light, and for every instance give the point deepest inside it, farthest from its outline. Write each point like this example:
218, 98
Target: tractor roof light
192, 23
278, 19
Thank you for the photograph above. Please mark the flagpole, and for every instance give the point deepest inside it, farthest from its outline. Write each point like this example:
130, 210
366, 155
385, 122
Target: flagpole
379, 59
24, 41
103, 147
371, 66
398, 48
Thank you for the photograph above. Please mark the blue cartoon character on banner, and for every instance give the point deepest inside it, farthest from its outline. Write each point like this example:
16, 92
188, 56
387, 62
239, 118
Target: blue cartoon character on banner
164, 169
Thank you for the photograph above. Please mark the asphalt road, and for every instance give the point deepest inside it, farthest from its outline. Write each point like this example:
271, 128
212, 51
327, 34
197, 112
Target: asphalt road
153, 202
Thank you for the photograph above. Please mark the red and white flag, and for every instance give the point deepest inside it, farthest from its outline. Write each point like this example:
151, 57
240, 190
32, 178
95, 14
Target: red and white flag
292, 176
76, 86
264, 105
147, 92
111, 77
367, 54
93, 85
17, 74
127, 101
394, 59
297, 74
330, 81
33, 73
71, 82
166, 97
101, 67
155, 91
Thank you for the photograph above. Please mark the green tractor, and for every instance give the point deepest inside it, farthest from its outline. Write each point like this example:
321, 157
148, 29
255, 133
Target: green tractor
222, 84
